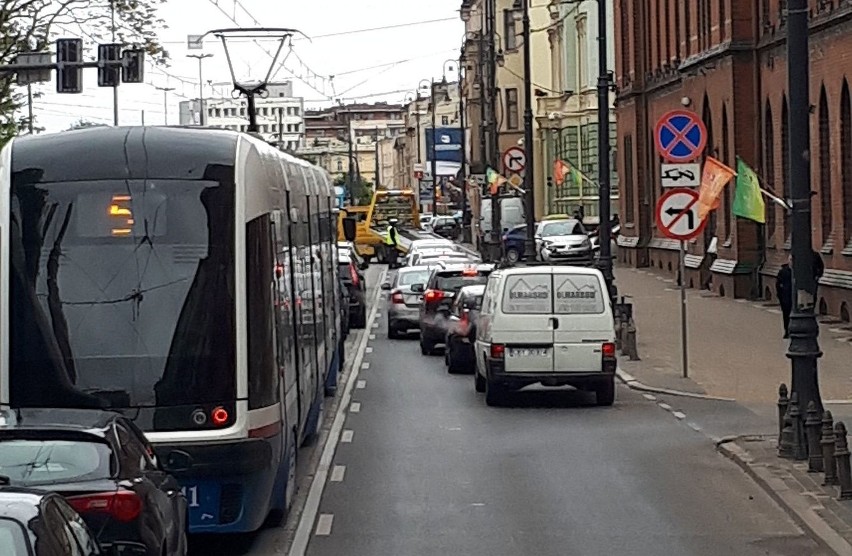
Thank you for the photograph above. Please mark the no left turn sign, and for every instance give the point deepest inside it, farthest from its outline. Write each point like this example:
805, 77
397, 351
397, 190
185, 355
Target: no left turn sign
677, 214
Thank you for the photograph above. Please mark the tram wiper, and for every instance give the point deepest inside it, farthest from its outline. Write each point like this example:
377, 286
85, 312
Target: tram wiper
135, 295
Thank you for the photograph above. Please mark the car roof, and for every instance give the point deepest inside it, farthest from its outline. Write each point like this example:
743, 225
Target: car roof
416, 268
20, 503
477, 290
551, 269
91, 421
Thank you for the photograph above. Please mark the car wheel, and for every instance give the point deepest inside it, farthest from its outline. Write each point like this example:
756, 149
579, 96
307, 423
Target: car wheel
605, 393
513, 255
478, 382
495, 394
393, 333
426, 347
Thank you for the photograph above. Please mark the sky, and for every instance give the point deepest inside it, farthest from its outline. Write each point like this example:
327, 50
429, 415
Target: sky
370, 66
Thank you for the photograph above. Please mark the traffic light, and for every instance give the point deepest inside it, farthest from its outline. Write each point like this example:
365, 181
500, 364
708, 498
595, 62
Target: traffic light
109, 71
133, 66
69, 79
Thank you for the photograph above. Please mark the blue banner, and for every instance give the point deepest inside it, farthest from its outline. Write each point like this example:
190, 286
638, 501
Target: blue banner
448, 144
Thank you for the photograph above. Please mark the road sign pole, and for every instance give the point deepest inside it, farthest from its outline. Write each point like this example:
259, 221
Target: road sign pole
683, 328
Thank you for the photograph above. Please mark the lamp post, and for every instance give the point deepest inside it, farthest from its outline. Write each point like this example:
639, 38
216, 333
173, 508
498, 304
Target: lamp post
200, 58
804, 350
529, 187
463, 172
166, 91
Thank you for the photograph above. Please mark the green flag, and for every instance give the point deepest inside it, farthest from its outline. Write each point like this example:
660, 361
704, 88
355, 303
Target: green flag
748, 200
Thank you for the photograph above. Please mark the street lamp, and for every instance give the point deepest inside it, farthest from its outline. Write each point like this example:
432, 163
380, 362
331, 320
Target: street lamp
804, 350
166, 91
200, 58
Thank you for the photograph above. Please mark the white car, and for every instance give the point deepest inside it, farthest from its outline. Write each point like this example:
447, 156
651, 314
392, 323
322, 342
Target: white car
563, 241
551, 325
426, 222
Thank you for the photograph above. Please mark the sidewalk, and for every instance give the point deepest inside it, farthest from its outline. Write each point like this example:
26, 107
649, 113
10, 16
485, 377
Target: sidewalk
736, 348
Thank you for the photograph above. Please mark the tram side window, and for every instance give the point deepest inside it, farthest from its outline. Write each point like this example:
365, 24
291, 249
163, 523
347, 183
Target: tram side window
260, 272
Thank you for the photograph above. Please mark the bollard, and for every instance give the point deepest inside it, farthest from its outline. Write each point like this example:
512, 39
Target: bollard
619, 330
630, 341
783, 402
813, 430
787, 446
800, 446
841, 456
827, 443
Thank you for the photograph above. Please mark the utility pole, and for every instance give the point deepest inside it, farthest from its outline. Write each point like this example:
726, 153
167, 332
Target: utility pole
494, 148
115, 87
604, 174
804, 350
30, 123
280, 126
419, 147
201, 58
143, 118
433, 109
376, 167
529, 243
350, 176
166, 91
463, 170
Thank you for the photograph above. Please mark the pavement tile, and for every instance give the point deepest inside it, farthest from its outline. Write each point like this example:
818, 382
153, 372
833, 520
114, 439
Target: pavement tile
735, 348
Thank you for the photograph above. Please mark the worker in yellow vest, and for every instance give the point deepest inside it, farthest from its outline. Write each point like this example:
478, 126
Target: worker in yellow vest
391, 243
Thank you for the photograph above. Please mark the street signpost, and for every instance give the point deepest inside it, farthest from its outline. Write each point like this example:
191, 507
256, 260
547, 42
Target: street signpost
680, 175
514, 160
677, 218
680, 136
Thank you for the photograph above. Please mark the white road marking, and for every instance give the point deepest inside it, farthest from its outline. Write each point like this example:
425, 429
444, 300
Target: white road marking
478, 504
337, 473
355, 407
372, 336
368, 350
361, 384
324, 524
665, 406
679, 414
347, 436
694, 426
365, 365
650, 397
375, 324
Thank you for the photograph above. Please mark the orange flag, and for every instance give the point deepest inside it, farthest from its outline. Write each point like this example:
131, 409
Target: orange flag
560, 171
714, 178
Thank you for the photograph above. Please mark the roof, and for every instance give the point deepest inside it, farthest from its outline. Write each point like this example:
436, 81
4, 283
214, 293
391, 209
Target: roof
92, 421
478, 289
123, 152
552, 269
21, 503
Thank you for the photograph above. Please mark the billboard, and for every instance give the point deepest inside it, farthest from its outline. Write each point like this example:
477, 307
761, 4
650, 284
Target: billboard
448, 144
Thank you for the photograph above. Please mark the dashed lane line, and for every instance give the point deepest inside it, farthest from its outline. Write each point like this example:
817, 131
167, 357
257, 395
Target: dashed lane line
665, 406
355, 407
324, 525
347, 435
372, 336
368, 350
679, 415
361, 384
337, 473
365, 365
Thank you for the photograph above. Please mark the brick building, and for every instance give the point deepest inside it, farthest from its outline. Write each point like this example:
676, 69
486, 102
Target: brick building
726, 60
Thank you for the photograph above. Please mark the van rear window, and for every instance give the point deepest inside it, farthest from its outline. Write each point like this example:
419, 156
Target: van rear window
533, 294
456, 281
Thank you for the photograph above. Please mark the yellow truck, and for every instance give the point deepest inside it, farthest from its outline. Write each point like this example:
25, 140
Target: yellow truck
371, 222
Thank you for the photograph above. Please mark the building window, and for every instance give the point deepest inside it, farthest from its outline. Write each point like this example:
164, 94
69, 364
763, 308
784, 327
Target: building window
687, 26
785, 158
629, 193
666, 54
339, 165
582, 59
658, 23
512, 120
825, 166
510, 33
677, 28
846, 157
769, 171
782, 12
445, 120
626, 61
723, 17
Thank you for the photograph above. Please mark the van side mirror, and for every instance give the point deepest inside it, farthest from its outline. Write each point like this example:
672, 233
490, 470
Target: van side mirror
177, 461
418, 288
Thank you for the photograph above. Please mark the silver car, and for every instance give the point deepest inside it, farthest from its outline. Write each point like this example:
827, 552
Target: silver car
563, 241
403, 305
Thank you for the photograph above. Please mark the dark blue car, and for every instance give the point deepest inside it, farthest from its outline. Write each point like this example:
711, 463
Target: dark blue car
513, 242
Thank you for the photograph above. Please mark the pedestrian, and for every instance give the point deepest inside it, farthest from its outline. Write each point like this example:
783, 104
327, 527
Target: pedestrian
784, 293
391, 243
818, 269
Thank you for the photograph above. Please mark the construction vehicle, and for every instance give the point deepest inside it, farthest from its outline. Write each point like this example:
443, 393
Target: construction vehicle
371, 222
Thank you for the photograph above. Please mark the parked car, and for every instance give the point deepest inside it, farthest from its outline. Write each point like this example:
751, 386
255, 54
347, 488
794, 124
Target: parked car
425, 221
415, 258
106, 470
403, 304
438, 294
461, 331
420, 244
446, 226
563, 241
545, 324
352, 279
41, 523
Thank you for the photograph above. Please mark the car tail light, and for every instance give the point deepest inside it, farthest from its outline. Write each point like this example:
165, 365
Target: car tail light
433, 295
353, 274
608, 350
397, 298
464, 323
123, 505
498, 351
219, 416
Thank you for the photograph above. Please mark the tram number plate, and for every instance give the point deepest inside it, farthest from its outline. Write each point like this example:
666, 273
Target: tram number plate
202, 499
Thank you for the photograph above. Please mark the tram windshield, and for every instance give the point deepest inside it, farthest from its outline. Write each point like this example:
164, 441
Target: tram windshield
122, 293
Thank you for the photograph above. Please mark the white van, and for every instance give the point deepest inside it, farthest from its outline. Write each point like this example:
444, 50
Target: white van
546, 324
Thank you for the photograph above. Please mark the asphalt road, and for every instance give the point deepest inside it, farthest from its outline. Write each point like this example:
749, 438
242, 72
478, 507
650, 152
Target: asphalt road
429, 469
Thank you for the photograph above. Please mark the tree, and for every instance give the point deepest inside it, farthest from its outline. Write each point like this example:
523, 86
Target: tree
31, 25
362, 190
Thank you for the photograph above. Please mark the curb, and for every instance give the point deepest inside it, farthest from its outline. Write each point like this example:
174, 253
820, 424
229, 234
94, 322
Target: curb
793, 503
635, 384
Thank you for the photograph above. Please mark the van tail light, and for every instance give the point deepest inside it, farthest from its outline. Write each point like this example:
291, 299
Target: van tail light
123, 505
498, 351
608, 352
397, 298
430, 296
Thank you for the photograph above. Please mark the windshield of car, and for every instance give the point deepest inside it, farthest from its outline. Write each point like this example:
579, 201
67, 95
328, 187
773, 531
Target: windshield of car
566, 228
29, 462
413, 277
13, 539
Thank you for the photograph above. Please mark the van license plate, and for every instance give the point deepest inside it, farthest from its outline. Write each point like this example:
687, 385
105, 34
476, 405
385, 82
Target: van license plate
529, 352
